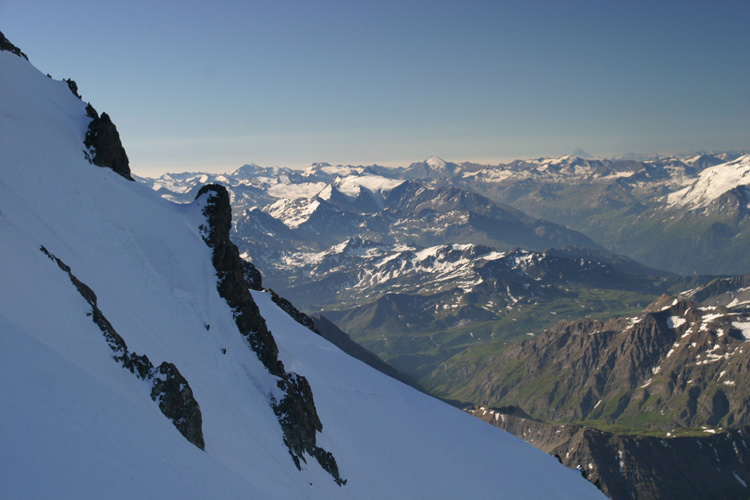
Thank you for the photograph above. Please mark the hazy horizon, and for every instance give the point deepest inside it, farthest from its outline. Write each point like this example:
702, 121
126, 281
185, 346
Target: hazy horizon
197, 86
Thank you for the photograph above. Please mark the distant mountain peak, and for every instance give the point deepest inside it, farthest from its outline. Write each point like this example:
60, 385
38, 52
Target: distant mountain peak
436, 163
248, 168
580, 153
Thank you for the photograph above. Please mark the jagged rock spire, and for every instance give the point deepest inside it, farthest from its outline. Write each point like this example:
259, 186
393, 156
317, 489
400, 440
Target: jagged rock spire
103, 144
5, 44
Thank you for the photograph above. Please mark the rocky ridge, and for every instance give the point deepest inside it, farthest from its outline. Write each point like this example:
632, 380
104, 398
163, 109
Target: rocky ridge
627, 206
679, 364
169, 389
362, 269
648, 406
295, 408
633, 466
7, 45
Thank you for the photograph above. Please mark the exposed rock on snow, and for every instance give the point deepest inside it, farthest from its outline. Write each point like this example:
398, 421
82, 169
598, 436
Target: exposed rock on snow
300, 317
230, 271
169, 388
104, 146
5, 44
295, 409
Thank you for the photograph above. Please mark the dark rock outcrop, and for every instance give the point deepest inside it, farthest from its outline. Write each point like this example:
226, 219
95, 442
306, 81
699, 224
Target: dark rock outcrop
73, 86
103, 145
6, 45
298, 316
230, 271
299, 420
295, 410
172, 392
253, 278
168, 387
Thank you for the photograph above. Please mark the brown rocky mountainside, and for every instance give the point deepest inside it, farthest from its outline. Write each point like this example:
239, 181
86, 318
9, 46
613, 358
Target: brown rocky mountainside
678, 364
652, 406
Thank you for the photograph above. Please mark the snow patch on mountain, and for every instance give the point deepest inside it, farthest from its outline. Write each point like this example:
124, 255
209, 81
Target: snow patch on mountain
712, 183
436, 163
351, 185
292, 212
675, 322
292, 191
743, 327
333, 170
178, 184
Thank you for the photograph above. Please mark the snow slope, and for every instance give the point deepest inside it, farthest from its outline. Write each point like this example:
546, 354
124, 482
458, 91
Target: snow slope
75, 424
712, 183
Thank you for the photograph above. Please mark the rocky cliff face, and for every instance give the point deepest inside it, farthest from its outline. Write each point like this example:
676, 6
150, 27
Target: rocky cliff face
295, 409
103, 145
644, 467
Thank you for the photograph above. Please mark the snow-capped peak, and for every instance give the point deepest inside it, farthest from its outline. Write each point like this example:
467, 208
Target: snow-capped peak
353, 184
435, 163
712, 183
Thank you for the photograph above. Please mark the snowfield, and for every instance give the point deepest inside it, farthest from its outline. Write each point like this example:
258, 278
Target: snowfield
75, 424
712, 183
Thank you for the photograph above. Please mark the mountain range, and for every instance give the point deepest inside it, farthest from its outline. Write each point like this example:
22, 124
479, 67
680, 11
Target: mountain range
607, 267
138, 359
681, 214
634, 208
419, 263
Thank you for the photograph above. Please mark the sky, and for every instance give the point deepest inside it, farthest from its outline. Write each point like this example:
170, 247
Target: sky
210, 86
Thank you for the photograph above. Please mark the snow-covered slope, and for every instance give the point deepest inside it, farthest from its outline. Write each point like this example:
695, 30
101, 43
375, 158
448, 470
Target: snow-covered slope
712, 183
75, 423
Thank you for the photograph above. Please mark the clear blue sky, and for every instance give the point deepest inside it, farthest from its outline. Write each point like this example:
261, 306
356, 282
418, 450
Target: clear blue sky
213, 85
